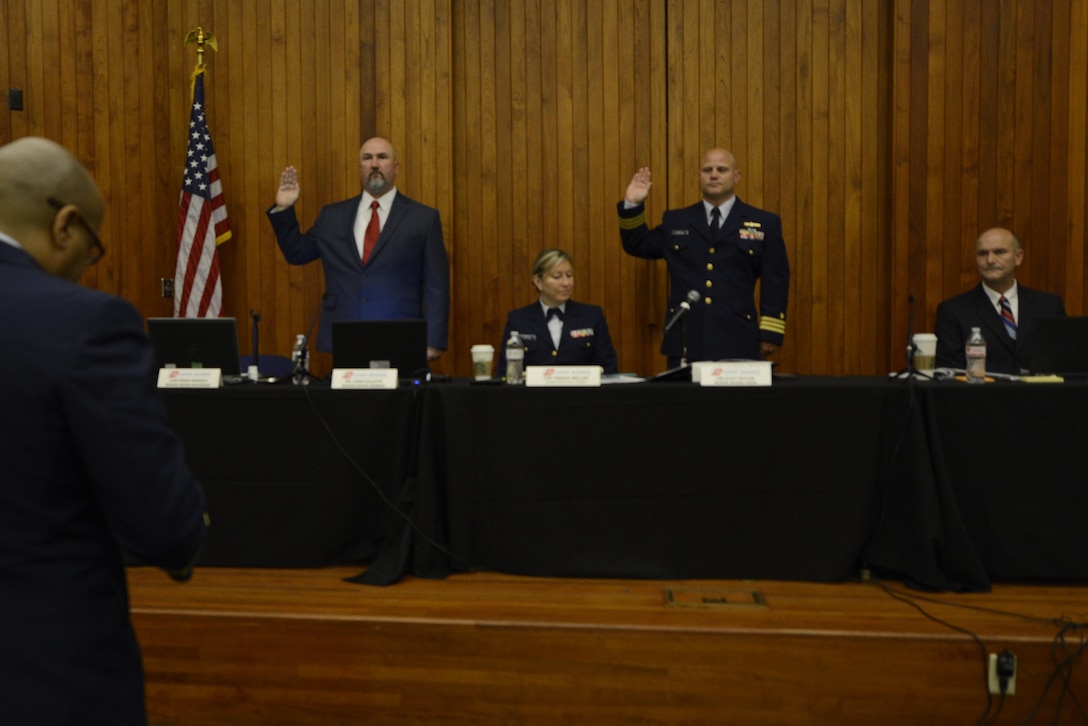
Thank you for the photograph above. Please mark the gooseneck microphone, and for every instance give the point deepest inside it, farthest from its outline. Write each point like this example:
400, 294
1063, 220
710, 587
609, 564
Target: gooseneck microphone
682, 309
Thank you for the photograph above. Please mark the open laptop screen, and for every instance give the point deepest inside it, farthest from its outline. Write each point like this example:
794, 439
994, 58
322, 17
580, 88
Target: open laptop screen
400, 344
195, 343
1060, 346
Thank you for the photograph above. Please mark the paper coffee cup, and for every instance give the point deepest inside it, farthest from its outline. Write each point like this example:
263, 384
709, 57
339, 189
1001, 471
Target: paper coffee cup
925, 353
482, 358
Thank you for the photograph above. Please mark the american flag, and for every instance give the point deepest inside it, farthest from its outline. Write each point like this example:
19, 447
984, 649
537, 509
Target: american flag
202, 220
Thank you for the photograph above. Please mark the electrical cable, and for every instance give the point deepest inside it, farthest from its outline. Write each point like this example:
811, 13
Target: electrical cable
1063, 665
377, 489
984, 718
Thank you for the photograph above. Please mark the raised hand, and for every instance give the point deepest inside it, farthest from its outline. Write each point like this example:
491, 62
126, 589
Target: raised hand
287, 194
639, 188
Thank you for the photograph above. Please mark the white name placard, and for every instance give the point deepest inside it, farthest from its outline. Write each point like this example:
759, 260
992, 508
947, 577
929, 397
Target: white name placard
372, 378
732, 373
190, 377
563, 376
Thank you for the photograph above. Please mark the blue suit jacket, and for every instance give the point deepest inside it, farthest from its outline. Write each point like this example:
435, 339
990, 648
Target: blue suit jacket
956, 316
725, 323
584, 341
406, 277
90, 470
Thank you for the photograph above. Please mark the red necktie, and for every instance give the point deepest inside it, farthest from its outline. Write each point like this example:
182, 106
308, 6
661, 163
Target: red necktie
373, 229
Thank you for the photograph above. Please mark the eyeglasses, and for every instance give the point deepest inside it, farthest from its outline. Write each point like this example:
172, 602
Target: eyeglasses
97, 250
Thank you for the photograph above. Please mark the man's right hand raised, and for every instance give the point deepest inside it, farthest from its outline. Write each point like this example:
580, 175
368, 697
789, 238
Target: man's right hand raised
639, 188
287, 194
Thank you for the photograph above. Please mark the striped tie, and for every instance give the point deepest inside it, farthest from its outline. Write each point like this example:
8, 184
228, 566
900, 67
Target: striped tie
1007, 318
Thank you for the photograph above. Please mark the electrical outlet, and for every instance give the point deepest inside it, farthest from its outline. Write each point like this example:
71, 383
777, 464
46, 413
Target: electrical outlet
1002, 665
15, 99
167, 288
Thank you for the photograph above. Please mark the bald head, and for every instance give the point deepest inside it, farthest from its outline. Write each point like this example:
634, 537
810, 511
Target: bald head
997, 255
34, 171
718, 175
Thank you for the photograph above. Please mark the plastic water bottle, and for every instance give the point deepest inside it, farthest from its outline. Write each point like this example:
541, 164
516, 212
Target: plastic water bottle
976, 357
515, 358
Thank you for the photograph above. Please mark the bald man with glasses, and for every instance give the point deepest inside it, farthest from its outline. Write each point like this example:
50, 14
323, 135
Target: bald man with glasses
91, 474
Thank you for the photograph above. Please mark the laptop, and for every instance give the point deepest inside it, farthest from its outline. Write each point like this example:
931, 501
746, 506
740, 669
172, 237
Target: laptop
196, 343
1060, 346
400, 344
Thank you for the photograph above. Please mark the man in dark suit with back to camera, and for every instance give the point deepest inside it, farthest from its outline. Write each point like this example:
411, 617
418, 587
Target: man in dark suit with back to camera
90, 470
717, 248
1004, 310
382, 253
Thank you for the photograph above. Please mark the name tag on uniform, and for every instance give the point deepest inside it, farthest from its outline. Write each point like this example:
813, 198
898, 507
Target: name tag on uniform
732, 373
563, 376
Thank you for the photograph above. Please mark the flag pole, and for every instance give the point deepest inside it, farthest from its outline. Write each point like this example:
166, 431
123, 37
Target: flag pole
200, 38
202, 213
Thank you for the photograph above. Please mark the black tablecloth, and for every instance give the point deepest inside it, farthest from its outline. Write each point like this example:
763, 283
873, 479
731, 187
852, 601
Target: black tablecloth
943, 484
295, 477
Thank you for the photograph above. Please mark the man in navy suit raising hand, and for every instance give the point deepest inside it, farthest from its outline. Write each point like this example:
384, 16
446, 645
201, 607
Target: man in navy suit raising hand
382, 253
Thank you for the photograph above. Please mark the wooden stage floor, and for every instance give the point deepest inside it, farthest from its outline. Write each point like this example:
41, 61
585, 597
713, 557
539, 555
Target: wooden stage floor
304, 647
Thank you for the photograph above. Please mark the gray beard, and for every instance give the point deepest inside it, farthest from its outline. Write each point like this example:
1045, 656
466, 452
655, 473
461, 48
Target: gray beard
375, 184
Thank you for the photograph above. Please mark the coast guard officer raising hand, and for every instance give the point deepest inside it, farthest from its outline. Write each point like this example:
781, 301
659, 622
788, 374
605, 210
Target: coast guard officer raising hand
718, 247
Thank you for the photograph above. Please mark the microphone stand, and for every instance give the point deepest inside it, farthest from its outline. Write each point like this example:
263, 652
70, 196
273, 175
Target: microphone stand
911, 372
300, 373
256, 340
684, 341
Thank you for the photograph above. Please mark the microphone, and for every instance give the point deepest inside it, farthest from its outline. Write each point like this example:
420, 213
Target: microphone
683, 309
910, 335
256, 338
300, 372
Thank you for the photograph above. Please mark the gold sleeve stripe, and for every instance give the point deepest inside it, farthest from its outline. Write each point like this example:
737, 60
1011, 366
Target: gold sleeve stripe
773, 325
632, 222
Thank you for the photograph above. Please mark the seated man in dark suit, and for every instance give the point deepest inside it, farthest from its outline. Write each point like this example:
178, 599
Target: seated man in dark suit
1005, 311
91, 471
561, 331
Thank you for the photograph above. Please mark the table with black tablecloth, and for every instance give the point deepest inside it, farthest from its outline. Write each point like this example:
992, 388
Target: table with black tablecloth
295, 476
944, 484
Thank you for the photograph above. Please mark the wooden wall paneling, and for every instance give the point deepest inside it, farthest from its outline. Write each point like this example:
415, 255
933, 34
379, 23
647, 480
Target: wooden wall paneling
1040, 109
500, 253
852, 284
931, 221
951, 163
815, 130
875, 229
803, 310
7, 78
959, 255
467, 252
1076, 300
987, 121
1055, 199
783, 180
